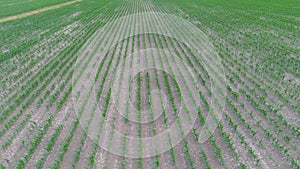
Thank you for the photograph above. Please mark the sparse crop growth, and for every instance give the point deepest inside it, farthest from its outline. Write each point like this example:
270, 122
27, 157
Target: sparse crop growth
61, 68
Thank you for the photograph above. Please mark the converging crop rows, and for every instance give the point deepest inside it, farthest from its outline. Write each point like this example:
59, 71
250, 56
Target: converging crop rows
150, 84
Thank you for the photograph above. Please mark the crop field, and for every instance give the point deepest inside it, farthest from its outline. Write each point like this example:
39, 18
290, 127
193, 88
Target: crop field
13, 7
150, 84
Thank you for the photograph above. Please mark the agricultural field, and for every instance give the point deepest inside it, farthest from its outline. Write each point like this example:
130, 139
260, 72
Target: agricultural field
13, 7
150, 84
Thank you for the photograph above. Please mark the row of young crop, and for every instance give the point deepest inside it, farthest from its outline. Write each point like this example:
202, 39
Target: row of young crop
36, 142
271, 120
95, 148
244, 67
21, 29
99, 92
62, 100
258, 106
163, 60
251, 152
58, 96
217, 149
274, 76
49, 79
249, 93
29, 65
266, 111
159, 85
92, 156
185, 142
248, 124
230, 26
